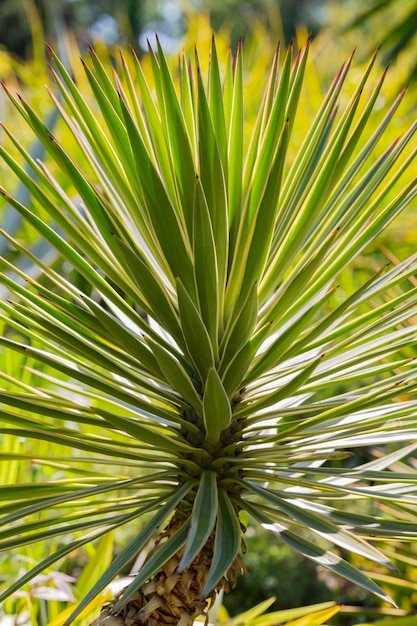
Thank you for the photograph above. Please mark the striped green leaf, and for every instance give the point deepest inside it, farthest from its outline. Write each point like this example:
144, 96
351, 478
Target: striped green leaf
330, 561
226, 543
205, 265
177, 376
213, 174
156, 302
322, 526
195, 333
217, 412
240, 328
203, 518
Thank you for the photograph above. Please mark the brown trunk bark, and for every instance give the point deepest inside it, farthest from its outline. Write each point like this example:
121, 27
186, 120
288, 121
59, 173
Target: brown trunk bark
169, 598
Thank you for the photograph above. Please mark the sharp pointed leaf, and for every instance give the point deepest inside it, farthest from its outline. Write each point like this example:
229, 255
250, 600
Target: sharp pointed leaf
203, 518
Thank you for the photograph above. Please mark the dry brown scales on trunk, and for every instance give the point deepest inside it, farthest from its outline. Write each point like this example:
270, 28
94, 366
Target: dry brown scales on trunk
170, 598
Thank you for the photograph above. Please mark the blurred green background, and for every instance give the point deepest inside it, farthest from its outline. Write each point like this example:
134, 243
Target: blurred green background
338, 28
389, 23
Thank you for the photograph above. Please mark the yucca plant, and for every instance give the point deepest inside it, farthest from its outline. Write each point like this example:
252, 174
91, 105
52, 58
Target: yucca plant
203, 351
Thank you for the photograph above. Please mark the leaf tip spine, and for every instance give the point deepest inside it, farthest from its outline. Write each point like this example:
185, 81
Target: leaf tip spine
50, 50
133, 52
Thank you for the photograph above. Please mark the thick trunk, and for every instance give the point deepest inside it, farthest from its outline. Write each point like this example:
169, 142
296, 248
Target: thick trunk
169, 598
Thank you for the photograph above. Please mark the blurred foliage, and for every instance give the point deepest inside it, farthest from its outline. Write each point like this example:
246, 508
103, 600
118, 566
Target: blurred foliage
393, 23
259, 615
387, 23
280, 18
15, 32
111, 20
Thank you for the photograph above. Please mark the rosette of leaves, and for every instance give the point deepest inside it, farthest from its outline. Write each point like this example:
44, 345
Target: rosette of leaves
208, 353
